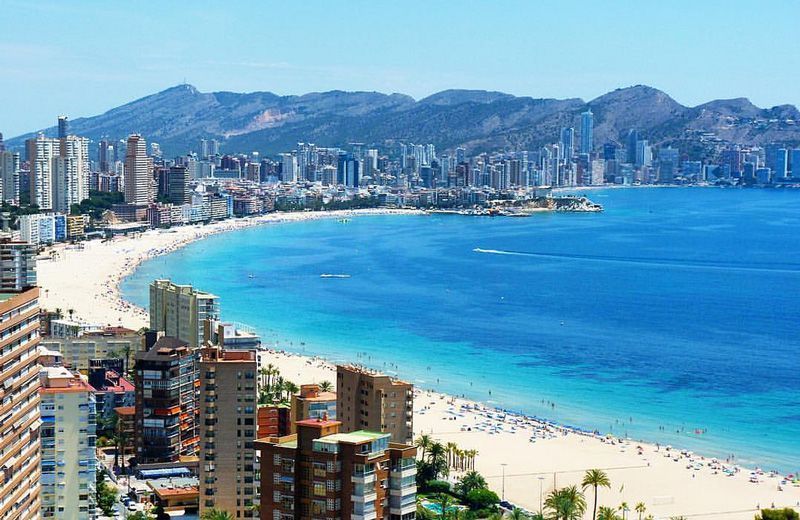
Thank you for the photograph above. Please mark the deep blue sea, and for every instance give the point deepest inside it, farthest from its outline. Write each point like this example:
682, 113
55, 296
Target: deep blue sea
671, 317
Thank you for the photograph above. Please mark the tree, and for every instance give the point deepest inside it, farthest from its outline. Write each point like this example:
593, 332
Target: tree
445, 502
325, 386
640, 508
481, 498
607, 513
105, 494
215, 514
566, 504
778, 514
423, 442
624, 508
139, 515
471, 480
518, 514
595, 478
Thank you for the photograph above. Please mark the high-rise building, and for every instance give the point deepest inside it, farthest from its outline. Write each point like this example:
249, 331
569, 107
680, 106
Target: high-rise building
312, 403
567, 148
63, 127
320, 473
19, 378
643, 153
138, 172
228, 427
587, 131
180, 311
178, 185
68, 435
9, 177
781, 170
42, 152
368, 400
632, 146
71, 173
166, 402
795, 163
105, 155
17, 266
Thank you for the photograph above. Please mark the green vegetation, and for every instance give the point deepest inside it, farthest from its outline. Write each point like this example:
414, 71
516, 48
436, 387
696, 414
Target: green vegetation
326, 386
106, 495
318, 205
470, 481
481, 499
97, 203
438, 486
215, 514
432, 464
778, 514
565, 504
17, 211
595, 478
273, 388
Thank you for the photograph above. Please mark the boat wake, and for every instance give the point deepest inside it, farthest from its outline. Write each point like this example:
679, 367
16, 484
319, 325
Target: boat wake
655, 261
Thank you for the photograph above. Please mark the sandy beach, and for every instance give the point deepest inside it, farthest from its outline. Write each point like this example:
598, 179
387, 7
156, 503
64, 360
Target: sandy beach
533, 456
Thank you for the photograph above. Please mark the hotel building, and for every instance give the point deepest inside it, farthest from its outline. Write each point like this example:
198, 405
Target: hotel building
368, 400
166, 402
228, 425
180, 311
320, 473
69, 460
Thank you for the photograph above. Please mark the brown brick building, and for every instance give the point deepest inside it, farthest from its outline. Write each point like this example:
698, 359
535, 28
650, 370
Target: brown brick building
320, 474
312, 403
368, 400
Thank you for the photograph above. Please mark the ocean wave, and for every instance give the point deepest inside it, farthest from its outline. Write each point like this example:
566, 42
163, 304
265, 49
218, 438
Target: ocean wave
789, 268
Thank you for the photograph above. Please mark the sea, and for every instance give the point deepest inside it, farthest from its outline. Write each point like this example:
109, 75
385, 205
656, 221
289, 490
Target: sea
670, 317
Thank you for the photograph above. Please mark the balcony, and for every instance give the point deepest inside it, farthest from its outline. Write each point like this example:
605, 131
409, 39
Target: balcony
368, 496
410, 489
364, 478
371, 515
403, 509
399, 472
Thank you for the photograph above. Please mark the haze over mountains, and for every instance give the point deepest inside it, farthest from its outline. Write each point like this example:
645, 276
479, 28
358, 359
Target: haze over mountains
180, 116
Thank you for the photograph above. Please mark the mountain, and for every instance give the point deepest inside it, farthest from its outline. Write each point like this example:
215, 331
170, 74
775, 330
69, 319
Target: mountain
178, 117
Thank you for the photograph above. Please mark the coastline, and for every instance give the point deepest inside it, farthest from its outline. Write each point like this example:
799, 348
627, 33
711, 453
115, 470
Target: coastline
87, 281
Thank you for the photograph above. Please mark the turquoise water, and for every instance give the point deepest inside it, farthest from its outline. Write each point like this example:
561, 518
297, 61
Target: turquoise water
671, 317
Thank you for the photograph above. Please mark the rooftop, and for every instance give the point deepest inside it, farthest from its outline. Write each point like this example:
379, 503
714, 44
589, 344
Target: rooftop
59, 380
319, 423
356, 437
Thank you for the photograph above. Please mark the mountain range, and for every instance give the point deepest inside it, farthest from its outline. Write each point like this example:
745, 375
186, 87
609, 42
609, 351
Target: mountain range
178, 117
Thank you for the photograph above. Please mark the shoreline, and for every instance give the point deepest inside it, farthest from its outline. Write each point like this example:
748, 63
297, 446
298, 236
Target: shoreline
88, 281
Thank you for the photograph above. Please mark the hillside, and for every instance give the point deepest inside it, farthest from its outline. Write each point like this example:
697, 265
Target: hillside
180, 116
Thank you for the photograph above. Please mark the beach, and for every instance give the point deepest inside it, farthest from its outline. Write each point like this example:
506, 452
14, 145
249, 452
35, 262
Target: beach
530, 454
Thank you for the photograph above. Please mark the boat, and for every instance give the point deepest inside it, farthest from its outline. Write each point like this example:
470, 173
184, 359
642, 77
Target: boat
328, 275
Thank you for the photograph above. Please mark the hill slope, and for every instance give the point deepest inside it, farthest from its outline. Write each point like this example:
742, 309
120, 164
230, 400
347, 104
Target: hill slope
180, 116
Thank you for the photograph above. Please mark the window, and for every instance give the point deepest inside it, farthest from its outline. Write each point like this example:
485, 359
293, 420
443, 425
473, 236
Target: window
319, 488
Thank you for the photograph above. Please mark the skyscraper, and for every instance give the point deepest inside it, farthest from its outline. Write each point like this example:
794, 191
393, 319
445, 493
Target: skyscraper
71, 173
796, 163
63, 127
9, 176
42, 152
138, 172
587, 130
631, 146
567, 148
781, 171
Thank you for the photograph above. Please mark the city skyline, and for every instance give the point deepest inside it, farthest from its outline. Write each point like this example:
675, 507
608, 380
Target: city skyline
669, 49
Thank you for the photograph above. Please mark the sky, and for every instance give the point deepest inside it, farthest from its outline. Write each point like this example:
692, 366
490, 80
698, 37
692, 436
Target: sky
81, 58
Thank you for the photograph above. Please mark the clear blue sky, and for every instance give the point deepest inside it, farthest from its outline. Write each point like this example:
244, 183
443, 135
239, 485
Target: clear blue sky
81, 58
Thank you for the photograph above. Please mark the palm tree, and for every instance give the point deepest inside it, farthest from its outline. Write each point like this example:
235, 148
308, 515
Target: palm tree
607, 513
215, 514
517, 514
624, 508
325, 386
595, 478
438, 460
566, 504
445, 503
640, 508
452, 448
423, 442
290, 389
471, 480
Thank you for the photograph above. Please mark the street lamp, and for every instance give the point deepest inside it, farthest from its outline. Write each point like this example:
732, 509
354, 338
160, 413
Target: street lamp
541, 479
504, 481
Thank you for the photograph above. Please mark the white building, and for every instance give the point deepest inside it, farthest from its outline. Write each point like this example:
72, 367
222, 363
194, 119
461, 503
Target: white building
68, 435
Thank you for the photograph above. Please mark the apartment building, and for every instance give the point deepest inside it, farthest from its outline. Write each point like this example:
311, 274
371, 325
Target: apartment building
181, 310
369, 400
166, 402
320, 473
312, 403
68, 435
228, 426
19, 400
